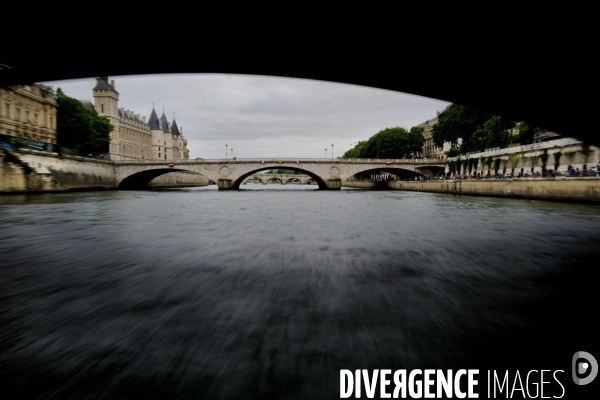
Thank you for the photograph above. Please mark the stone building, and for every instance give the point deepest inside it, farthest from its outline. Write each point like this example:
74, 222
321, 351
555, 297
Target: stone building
28, 112
133, 138
430, 150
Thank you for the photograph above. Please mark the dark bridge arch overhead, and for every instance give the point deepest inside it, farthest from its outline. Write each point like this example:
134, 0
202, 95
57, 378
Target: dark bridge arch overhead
545, 76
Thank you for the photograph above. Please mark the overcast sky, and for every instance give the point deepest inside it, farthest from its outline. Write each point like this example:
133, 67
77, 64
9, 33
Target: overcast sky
264, 117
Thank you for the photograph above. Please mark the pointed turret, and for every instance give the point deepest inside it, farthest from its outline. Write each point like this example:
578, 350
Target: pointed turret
174, 129
153, 122
165, 123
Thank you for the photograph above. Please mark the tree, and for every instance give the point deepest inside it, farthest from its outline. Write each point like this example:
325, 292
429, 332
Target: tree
457, 124
544, 159
355, 152
497, 162
472, 129
493, 133
488, 162
514, 161
79, 128
586, 150
557, 159
526, 132
416, 139
389, 143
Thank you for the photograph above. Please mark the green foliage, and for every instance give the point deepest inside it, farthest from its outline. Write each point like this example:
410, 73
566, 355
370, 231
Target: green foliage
475, 130
472, 163
355, 152
544, 158
458, 164
451, 167
68, 151
456, 123
389, 143
514, 160
526, 132
570, 154
557, 159
453, 152
79, 128
17, 143
199, 158
586, 150
488, 161
493, 133
497, 163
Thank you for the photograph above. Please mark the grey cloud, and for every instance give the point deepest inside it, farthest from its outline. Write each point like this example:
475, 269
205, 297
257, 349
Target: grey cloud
220, 107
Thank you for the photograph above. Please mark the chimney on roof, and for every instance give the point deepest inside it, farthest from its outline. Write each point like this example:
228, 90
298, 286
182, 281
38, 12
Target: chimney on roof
181, 130
144, 119
112, 83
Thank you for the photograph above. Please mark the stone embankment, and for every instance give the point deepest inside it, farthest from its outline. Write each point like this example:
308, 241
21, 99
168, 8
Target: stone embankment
582, 189
50, 172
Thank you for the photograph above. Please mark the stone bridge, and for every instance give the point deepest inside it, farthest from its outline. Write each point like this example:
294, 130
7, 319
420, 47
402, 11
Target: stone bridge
280, 178
230, 174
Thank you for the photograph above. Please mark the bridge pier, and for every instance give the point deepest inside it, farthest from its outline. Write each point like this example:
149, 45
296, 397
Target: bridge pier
224, 184
334, 184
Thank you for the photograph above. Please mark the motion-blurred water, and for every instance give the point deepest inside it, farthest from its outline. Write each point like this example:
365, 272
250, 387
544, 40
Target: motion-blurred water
269, 292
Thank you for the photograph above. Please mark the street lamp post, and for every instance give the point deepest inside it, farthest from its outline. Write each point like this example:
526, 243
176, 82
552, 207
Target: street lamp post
332, 151
232, 153
325, 152
226, 151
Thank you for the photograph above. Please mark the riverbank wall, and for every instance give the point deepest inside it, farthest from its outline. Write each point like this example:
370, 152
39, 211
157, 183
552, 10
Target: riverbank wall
582, 189
359, 185
32, 171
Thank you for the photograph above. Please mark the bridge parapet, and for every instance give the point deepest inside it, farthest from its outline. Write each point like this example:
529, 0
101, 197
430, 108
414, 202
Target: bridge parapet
229, 174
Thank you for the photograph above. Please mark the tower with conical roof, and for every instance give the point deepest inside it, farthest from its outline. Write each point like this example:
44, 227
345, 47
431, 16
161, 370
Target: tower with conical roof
106, 100
158, 143
133, 138
168, 137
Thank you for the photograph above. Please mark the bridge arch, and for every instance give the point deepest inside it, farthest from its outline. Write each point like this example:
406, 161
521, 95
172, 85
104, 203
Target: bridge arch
140, 180
322, 184
399, 172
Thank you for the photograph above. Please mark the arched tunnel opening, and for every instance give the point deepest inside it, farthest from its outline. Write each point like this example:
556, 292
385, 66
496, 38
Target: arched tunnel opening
140, 180
322, 184
381, 176
384, 175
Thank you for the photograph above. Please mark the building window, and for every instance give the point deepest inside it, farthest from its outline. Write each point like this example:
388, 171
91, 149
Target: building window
18, 114
35, 118
158, 155
102, 107
27, 116
7, 110
51, 123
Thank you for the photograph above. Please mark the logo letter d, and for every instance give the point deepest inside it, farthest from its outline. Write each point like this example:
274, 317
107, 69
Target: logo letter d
581, 368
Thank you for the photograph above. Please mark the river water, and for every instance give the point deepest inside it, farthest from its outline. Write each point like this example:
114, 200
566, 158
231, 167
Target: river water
268, 292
